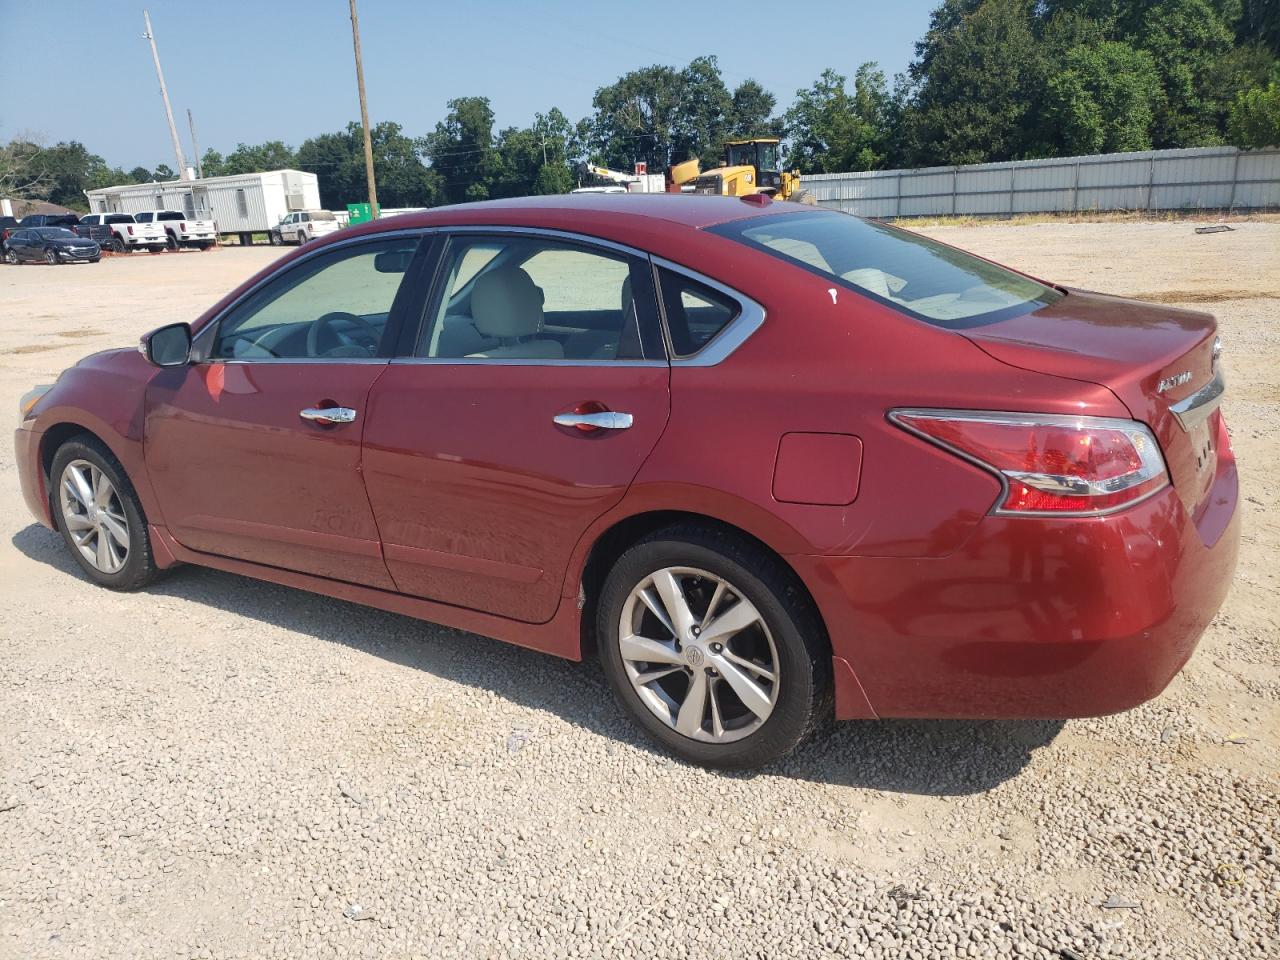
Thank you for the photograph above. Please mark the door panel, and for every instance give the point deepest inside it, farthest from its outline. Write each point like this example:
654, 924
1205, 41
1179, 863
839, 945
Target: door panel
239, 473
479, 496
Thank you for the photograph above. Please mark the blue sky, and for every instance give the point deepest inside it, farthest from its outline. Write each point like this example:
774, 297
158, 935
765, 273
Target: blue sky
253, 71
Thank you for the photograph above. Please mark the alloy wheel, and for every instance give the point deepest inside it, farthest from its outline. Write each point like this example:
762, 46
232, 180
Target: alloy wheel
50, 257
94, 516
699, 654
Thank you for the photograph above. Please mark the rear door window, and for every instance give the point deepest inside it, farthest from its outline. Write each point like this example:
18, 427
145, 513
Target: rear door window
695, 312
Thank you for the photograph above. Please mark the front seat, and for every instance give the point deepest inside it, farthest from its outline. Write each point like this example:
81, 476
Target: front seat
506, 305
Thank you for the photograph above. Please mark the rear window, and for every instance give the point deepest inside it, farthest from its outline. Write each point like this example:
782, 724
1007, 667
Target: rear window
169, 215
917, 276
119, 218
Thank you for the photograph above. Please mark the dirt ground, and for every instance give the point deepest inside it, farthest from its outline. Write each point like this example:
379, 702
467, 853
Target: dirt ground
221, 768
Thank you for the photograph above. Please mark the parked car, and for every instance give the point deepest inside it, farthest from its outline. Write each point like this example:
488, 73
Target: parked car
7, 226
769, 463
304, 225
49, 245
181, 230
67, 220
127, 235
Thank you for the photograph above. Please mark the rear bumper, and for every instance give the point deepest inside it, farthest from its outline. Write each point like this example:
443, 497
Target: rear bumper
26, 446
1034, 617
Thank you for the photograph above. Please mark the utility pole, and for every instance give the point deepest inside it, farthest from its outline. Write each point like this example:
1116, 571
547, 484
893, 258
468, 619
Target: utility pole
364, 115
195, 144
164, 92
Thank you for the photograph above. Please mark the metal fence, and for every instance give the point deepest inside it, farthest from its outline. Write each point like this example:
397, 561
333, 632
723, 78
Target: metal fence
1201, 178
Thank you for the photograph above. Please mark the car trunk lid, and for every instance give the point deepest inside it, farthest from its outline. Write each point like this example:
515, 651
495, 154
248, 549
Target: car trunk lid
1159, 361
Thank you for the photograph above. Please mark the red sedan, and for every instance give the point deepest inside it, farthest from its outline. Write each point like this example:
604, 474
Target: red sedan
769, 462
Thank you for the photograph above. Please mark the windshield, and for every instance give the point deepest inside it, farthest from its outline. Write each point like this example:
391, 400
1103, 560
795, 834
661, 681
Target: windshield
742, 155
55, 233
768, 156
920, 277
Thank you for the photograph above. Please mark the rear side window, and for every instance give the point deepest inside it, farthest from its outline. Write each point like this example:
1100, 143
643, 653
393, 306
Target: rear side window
917, 276
695, 312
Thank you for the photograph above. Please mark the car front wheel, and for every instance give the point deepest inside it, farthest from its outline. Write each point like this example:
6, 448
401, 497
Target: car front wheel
710, 646
99, 515
11, 257
51, 257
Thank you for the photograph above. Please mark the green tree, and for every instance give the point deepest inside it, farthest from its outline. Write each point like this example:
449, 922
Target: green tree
1186, 38
634, 118
978, 84
832, 130
1255, 117
163, 172
461, 150
337, 160
140, 175
752, 114
704, 112
272, 155
1105, 99
212, 164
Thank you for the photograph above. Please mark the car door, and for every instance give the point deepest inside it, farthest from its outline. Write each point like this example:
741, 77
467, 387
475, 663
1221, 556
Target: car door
254, 448
21, 244
537, 388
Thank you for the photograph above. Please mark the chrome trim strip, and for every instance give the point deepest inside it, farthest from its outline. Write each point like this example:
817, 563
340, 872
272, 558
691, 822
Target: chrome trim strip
514, 362
750, 318
1022, 417
1195, 409
566, 235
310, 254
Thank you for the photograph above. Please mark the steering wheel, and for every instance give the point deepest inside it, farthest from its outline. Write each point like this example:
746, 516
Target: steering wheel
324, 324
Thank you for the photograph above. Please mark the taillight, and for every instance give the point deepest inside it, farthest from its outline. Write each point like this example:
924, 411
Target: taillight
130, 229
1050, 463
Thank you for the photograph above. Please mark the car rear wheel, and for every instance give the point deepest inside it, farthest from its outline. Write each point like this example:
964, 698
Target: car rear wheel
203, 245
171, 240
118, 245
11, 257
710, 646
99, 515
51, 257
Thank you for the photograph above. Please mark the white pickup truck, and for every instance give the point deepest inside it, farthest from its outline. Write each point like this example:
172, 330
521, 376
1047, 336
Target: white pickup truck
127, 235
303, 226
181, 230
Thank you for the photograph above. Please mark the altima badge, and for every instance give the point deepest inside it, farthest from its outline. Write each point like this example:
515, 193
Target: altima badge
1177, 380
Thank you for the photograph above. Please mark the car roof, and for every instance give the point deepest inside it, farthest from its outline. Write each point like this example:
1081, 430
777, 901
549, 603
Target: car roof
581, 209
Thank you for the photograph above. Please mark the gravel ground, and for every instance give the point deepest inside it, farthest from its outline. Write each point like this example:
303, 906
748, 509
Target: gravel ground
224, 768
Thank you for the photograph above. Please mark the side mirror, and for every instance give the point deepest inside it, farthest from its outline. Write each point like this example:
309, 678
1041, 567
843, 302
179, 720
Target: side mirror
168, 346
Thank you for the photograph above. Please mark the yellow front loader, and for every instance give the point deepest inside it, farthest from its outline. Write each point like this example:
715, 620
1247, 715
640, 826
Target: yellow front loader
751, 166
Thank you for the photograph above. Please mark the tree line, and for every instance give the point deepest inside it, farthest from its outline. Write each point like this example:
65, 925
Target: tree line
991, 80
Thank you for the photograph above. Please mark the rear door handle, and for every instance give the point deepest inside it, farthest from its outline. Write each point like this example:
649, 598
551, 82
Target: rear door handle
328, 416
604, 420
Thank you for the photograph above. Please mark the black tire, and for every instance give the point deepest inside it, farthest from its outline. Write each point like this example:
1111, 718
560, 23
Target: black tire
11, 258
274, 238
156, 249
804, 700
302, 237
139, 567
203, 245
51, 257
119, 246
171, 240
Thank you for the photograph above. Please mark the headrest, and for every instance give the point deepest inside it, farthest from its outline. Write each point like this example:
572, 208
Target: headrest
506, 303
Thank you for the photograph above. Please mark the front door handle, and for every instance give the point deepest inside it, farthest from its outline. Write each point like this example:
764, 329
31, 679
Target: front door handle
328, 416
603, 420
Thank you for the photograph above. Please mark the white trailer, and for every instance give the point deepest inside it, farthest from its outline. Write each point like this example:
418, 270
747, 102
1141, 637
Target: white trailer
241, 204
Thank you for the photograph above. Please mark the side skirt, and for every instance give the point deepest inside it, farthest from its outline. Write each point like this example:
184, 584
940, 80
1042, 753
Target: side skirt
559, 636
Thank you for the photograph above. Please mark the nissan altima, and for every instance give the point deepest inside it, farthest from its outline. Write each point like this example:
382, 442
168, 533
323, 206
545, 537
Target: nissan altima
769, 463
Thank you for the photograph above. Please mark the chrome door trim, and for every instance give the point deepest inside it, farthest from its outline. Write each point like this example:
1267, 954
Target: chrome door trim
515, 362
1195, 409
750, 318
566, 235
214, 323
